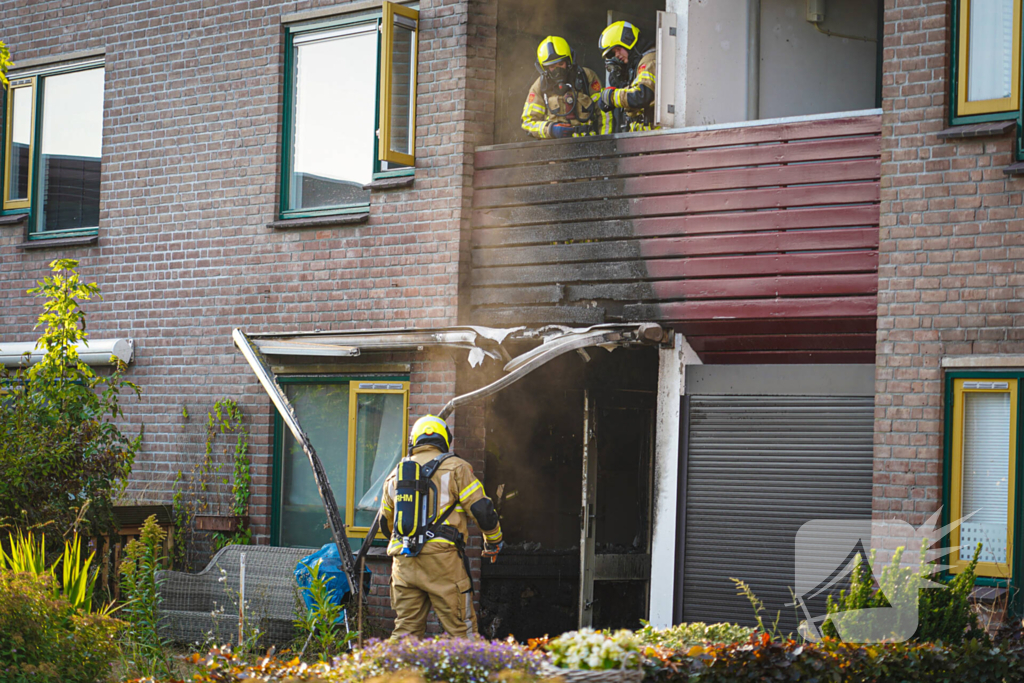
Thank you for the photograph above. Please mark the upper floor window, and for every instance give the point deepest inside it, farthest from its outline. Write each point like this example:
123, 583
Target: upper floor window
53, 135
350, 109
987, 60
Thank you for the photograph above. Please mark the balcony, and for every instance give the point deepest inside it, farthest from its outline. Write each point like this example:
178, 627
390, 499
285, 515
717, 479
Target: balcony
759, 242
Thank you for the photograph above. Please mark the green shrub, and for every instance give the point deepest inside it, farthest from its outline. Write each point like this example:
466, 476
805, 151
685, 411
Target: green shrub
319, 628
44, 639
78, 576
144, 652
685, 636
62, 455
944, 614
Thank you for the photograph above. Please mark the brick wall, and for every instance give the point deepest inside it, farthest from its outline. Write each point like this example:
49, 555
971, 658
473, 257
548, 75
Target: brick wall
950, 274
191, 153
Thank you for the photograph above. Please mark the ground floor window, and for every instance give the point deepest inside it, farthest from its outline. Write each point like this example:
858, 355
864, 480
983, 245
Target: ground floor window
358, 428
981, 469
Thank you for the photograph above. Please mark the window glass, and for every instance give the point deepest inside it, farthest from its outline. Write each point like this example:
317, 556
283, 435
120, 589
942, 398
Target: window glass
322, 410
403, 80
21, 139
986, 466
990, 50
71, 137
380, 441
334, 107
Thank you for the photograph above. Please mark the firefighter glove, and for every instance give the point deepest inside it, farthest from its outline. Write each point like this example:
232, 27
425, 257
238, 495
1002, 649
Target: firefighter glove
561, 130
492, 550
582, 131
607, 101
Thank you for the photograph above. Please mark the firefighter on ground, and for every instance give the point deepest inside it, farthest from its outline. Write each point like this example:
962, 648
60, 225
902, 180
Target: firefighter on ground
563, 101
435, 572
630, 66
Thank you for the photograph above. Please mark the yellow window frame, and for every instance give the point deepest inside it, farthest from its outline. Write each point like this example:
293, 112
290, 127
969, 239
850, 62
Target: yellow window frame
16, 84
1011, 103
384, 151
357, 388
999, 570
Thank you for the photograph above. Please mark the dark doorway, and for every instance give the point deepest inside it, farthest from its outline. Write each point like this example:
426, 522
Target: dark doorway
535, 449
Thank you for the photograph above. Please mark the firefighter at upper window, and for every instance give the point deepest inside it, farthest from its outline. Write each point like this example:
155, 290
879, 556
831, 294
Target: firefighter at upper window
563, 101
435, 572
630, 67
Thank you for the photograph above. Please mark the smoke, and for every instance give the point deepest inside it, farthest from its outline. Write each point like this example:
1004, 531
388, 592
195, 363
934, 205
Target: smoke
522, 24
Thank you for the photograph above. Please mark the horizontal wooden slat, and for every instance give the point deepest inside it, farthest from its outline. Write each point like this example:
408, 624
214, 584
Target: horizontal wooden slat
699, 328
604, 146
754, 308
732, 200
784, 342
711, 266
704, 224
673, 162
666, 290
804, 240
682, 183
789, 357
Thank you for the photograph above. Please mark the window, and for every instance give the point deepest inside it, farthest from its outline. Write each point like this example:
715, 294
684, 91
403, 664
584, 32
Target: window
358, 427
53, 135
347, 124
987, 60
981, 470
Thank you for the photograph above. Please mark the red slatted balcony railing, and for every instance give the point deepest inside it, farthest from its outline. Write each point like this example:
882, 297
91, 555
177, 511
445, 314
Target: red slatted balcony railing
759, 243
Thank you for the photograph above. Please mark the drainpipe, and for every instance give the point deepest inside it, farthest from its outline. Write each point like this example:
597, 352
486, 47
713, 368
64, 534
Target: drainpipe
753, 60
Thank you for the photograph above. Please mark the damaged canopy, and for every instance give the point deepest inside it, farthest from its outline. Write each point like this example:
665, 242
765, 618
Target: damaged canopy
480, 342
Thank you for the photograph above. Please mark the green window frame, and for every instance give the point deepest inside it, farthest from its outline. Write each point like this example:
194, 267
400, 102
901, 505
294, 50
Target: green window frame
959, 385
27, 166
395, 29
352, 438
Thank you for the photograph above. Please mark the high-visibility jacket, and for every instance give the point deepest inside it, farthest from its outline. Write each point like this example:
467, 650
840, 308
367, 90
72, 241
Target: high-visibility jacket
544, 106
637, 99
456, 484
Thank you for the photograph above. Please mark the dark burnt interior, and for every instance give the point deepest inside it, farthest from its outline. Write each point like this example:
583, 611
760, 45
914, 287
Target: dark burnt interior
535, 449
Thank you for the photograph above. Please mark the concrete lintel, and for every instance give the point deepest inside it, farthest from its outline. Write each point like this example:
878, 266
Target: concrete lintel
671, 385
968, 362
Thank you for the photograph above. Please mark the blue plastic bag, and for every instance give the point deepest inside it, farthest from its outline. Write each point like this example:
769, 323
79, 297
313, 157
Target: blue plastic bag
330, 570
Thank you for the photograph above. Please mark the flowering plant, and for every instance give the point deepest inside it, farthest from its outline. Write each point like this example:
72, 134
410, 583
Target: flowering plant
590, 649
455, 660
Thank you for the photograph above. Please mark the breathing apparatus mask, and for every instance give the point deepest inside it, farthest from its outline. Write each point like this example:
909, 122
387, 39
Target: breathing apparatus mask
618, 72
556, 76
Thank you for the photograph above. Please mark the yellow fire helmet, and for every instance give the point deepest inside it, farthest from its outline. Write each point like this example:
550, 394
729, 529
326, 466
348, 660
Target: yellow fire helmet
553, 50
621, 33
431, 430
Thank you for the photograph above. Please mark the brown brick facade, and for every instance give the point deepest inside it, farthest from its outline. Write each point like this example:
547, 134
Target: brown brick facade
950, 273
191, 153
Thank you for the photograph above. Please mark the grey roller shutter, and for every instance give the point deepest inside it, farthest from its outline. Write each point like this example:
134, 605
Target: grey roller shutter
757, 468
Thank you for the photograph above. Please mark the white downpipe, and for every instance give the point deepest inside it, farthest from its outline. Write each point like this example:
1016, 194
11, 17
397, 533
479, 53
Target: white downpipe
672, 364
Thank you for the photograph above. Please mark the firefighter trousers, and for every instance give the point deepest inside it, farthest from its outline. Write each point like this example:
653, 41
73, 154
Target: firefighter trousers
436, 580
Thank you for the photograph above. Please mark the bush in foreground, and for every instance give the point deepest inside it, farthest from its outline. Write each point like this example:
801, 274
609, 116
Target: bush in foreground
762, 659
43, 639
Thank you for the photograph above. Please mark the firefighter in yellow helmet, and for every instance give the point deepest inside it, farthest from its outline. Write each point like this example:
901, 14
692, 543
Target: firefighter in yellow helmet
630, 66
562, 102
432, 569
